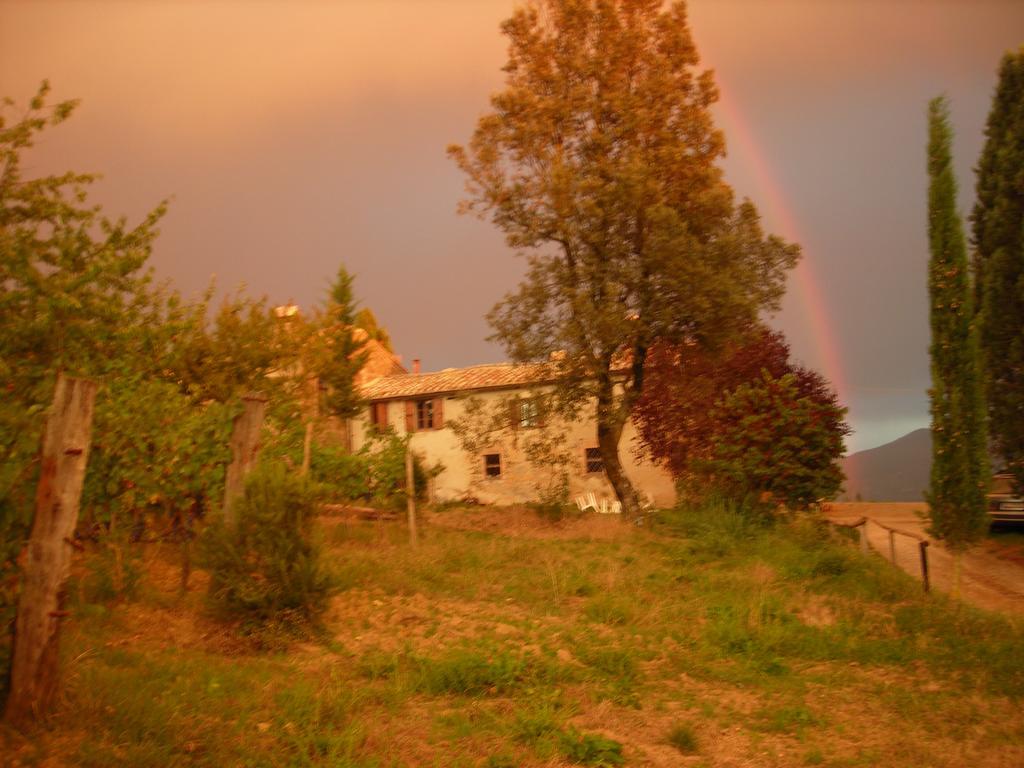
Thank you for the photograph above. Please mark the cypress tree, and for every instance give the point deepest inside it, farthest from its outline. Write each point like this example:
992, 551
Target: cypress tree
998, 235
959, 458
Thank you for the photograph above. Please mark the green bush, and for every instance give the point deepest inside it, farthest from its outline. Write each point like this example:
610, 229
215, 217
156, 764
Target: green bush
267, 569
375, 473
340, 474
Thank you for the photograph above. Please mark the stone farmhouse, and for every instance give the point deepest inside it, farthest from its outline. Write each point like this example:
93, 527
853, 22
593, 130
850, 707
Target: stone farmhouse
488, 427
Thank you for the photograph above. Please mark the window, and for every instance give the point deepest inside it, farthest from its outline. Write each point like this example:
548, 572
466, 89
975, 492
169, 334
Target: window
594, 462
529, 414
526, 413
379, 415
492, 464
425, 414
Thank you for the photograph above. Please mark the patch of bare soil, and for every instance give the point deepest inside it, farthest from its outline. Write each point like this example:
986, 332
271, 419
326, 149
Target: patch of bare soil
364, 620
1005, 551
171, 618
524, 522
989, 580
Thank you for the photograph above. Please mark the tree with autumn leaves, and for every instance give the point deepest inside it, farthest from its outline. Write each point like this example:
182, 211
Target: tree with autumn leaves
744, 421
600, 159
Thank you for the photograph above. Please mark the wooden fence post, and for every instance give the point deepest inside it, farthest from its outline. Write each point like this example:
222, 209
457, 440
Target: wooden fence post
65, 453
307, 450
310, 412
864, 547
245, 447
923, 546
410, 496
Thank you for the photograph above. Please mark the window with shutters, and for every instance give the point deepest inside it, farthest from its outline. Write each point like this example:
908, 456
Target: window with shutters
593, 460
423, 415
492, 464
379, 415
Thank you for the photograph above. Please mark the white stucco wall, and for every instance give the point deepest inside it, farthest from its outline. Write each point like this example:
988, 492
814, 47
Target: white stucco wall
520, 480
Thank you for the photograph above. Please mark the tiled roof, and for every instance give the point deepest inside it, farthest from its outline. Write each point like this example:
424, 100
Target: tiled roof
496, 376
379, 362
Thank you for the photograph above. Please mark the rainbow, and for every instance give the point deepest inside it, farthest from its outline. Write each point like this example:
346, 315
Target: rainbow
772, 201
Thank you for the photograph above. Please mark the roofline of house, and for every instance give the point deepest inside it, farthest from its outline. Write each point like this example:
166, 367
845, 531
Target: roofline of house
464, 390
469, 390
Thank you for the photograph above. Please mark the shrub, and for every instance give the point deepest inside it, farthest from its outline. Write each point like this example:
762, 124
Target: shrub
339, 473
684, 739
777, 443
267, 568
375, 473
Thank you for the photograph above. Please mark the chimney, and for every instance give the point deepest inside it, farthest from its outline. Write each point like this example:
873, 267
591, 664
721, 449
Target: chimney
416, 366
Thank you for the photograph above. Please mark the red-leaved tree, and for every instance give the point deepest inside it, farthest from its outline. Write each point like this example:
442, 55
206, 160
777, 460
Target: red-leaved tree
682, 424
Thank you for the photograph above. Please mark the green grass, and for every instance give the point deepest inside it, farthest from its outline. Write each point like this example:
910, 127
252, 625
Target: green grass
477, 649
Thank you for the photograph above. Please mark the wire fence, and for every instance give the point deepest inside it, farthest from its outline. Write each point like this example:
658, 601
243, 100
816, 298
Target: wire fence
922, 543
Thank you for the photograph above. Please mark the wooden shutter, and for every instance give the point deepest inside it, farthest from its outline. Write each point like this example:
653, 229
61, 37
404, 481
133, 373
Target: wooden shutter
410, 416
542, 407
439, 413
513, 414
379, 415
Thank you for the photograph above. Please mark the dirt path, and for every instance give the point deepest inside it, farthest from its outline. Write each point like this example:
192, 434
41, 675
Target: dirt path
988, 581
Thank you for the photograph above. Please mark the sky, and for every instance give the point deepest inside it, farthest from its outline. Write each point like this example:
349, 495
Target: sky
291, 137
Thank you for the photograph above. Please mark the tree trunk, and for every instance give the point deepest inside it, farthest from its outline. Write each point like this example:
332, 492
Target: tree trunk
611, 419
65, 453
245, 448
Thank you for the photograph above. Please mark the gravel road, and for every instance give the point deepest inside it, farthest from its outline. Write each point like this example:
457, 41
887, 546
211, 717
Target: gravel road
988, 580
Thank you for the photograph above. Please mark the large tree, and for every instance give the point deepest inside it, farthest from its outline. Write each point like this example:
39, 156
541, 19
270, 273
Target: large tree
998, 234
959, 474
600, 158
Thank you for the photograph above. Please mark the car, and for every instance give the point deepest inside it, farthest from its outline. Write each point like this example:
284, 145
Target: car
1005, 506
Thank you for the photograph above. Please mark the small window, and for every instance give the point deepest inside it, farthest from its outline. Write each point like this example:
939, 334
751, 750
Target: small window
492, 464
425, 414
594, 461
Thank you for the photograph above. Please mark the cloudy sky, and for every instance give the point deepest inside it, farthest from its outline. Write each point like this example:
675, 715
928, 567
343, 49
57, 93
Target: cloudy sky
294, 136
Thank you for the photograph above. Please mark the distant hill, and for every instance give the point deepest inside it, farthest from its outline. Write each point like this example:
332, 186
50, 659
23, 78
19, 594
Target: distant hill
896, 471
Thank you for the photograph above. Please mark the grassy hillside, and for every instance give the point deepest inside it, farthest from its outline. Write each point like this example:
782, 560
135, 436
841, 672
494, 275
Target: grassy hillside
504, 640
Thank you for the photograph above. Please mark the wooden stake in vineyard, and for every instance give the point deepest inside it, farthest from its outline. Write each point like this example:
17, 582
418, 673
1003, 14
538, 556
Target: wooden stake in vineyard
245, 448
410, 496
310, 412
65, 453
